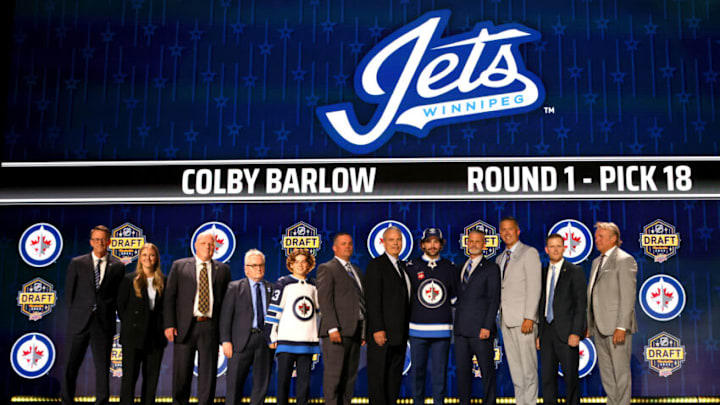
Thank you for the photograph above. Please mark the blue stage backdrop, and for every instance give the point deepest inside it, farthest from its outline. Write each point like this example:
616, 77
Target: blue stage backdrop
247, 79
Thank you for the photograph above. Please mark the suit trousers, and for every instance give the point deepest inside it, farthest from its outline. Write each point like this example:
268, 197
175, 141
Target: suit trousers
285, 363
258, 355
341, 362
100, 342
614, 363
521, 354
483, 350
201, 338
554, 351
133, 361
419, 350
385, 366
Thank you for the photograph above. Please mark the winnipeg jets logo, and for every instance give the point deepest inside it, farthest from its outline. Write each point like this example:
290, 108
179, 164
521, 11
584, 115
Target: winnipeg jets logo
662, 297
375, 242
588, 358
40, 245
431, 293
222, 363
224, 240
304, 308
420, 80
33, 355
577, 237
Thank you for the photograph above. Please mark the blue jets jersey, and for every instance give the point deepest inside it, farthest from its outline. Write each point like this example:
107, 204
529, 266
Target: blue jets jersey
293, 316
434, 285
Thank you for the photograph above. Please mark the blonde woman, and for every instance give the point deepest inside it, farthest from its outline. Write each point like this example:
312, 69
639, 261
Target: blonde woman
140, 299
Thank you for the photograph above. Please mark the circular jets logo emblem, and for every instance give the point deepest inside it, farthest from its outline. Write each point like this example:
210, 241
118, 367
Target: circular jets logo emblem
662, 297
432, 293
588, 358
221, 363
375, 242
578, 239
40, 245
33, 355
304, 308
224, 240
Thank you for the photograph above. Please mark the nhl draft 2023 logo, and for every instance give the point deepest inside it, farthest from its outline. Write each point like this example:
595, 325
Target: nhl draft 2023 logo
660, 240
301, 236
492, 240
420, 80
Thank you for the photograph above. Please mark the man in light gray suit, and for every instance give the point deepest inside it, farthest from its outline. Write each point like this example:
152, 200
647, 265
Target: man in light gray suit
520, 273
611, 311
342, 325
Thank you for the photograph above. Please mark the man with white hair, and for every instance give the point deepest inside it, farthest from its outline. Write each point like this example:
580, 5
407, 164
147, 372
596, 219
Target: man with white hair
195, 290
611, 311
387, 296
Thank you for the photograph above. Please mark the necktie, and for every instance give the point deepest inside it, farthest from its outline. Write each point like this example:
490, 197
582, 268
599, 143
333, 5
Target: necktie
507, 259
597, 272
97, 275
204, 291
466, 274
361, 296
259, 317
551, 297
401, 271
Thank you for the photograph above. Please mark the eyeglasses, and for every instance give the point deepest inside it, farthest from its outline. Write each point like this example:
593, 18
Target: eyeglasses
255, 266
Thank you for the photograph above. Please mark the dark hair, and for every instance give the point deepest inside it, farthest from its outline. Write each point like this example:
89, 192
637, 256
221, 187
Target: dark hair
339, 234
101, 228
511, 218
552, 236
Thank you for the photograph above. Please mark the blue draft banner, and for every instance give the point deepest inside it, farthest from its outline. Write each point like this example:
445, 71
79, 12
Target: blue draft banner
108, 104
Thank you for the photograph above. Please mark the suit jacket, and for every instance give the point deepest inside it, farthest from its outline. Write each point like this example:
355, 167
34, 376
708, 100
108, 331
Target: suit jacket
81, 295
180, 294
569, 302
138, 328
613, 299
338, 297
236, 318
386, 299
521, 285
478, 302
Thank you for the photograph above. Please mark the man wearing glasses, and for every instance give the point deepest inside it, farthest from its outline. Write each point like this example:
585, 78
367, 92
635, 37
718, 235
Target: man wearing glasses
193, 298
241, 331
90, 292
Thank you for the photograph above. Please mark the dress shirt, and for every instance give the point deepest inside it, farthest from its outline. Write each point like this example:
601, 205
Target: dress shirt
151, 292
254, 299
198, 267
474, 263
394, 261
504, 257
103, 265
558, 267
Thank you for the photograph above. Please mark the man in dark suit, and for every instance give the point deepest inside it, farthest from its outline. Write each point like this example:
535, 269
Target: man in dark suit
91, 289
241, 331
562, 322
387, 292
475, 311
195, 290
341, 299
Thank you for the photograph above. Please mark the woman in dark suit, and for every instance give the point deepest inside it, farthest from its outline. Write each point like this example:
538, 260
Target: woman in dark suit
141, 333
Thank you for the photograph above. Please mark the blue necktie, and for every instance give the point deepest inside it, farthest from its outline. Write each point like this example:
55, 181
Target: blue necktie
466, 275
259, 317
551, 296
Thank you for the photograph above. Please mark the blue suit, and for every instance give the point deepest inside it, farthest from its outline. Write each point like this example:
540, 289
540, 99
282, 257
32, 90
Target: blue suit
477, 306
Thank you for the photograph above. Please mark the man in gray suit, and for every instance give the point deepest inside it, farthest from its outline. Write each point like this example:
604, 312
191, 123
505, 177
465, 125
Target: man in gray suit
520, 273
611, 311
193, 298
342, 324
241, 331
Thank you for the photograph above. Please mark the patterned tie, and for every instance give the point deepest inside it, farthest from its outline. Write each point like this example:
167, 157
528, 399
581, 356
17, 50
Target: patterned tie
361, 296
97, 274
466, 274
551, 297
259, 317
204, 291
507, 260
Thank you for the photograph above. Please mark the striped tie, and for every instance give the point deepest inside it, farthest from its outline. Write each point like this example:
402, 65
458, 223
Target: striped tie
97, 275
204, 291
361, 296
